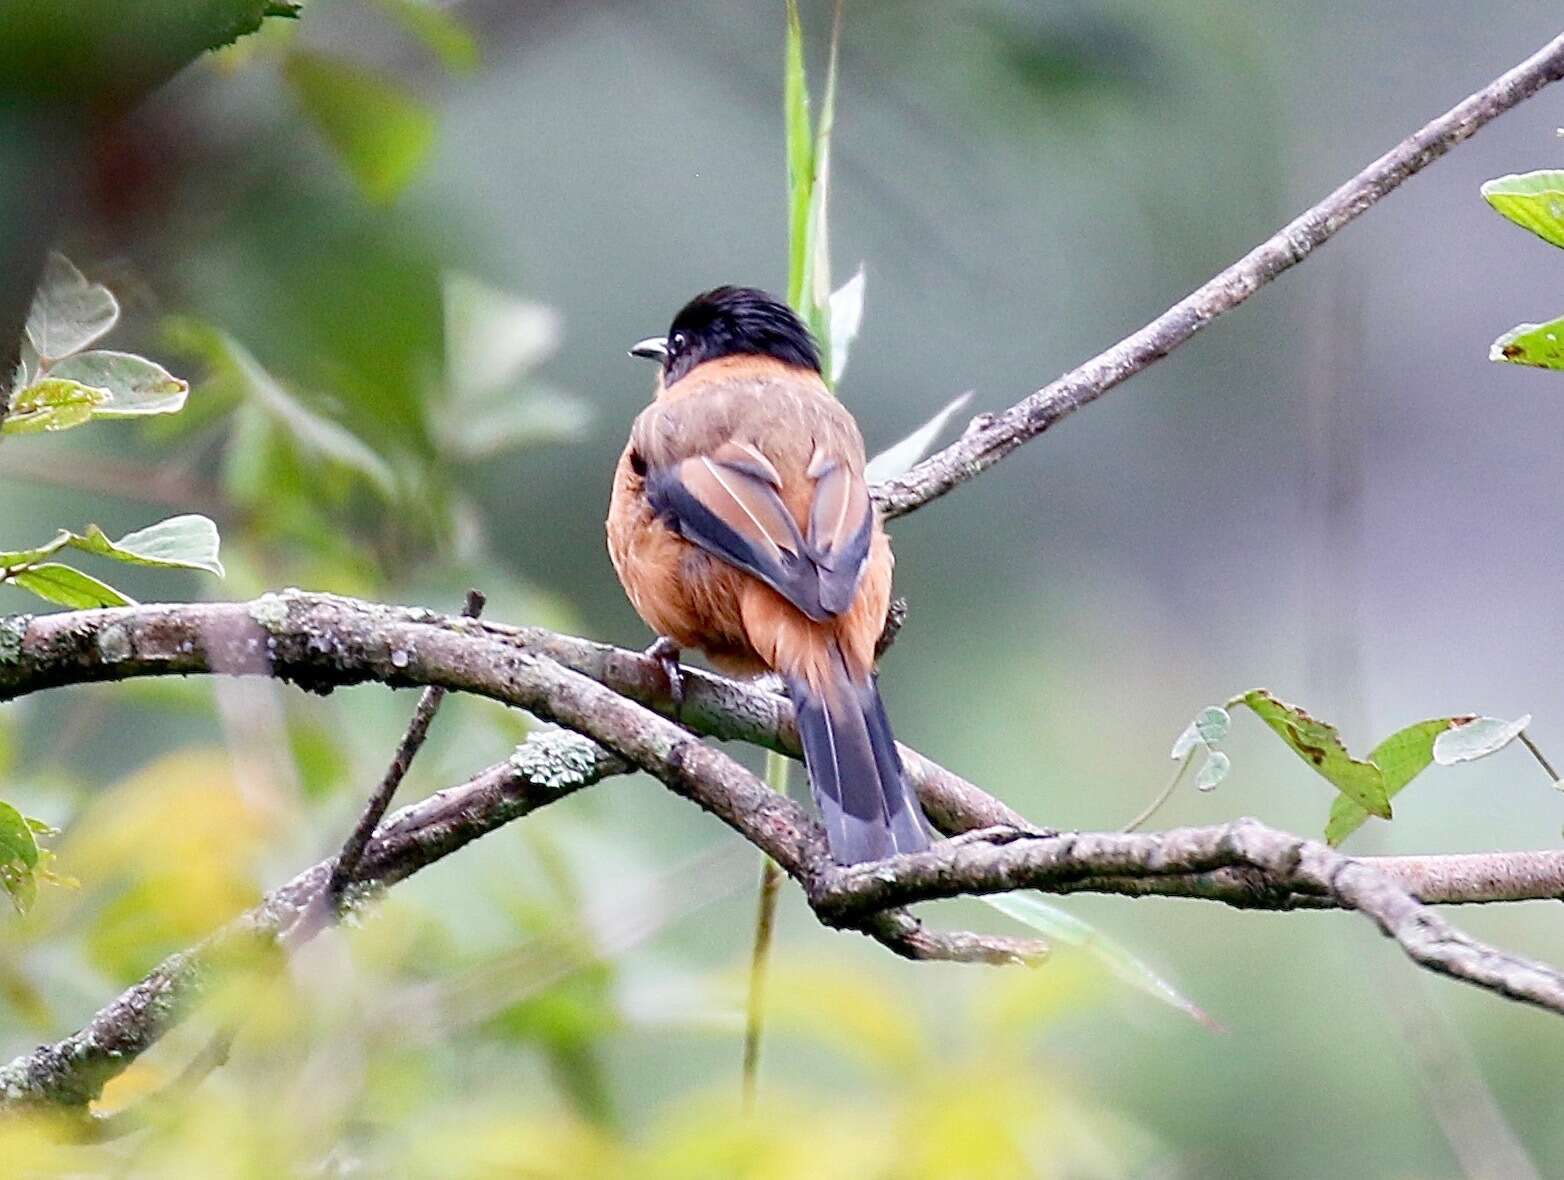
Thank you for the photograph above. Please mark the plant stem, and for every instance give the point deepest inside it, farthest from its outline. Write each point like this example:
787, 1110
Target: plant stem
765, 922
1538, 755
1167, 792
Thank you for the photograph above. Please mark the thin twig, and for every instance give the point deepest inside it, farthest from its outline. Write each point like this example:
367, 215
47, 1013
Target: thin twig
1155, 805
352, 854
980, 449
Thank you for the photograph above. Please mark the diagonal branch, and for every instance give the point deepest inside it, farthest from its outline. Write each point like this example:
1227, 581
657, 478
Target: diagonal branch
992, 437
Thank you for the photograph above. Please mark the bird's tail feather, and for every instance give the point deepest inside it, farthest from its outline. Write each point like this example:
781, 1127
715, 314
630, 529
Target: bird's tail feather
855, 772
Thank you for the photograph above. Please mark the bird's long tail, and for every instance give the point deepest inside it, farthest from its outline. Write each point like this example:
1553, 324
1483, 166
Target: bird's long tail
854, 769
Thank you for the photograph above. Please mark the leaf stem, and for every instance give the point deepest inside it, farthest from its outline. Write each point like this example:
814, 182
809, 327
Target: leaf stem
1541, 758
1167, 792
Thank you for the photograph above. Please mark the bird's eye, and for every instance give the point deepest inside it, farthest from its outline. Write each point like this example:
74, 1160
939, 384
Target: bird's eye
679, 341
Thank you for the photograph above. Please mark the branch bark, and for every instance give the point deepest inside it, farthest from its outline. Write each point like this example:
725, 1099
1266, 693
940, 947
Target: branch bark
994, 436
321, 641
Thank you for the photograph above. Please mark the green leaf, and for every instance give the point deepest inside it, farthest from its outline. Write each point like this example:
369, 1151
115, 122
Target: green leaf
52, 404
441, 33
68, 587
1537, 345
1319, 744
899, 458
134, 385
68, 312
18, 857
32, 556
1216, 767
1532, 200
1209, 728
1477, 737
312, 432
1401, 757
844, 312
380, 131
799, 132
1054, 923
180, 542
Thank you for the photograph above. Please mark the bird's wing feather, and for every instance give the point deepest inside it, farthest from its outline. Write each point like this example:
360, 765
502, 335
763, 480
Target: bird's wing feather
729, 503
841, 523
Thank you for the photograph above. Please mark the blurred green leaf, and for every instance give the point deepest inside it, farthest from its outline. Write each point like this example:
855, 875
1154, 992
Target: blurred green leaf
1053, 923
68, 587
322, 763
1477, 737
1319, 744
845, 314
544, 416
1532, 200
441, 33
899, 458
1537, 345
313, 432
18, 857
52, 404
1401, 757
135, 386
69, 312
492, 338
380, 131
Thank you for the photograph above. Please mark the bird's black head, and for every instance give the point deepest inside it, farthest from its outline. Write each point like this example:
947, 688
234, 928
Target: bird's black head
731, 321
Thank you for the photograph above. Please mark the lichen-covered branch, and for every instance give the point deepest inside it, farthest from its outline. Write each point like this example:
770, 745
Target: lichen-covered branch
321, 641
994, 436
548, 766
1289, 863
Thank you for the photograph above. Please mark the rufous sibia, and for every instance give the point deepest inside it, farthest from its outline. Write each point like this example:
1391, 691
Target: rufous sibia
741, 525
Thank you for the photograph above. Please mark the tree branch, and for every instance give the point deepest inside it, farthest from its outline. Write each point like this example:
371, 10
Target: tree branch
321, 640
844, 896
994, 436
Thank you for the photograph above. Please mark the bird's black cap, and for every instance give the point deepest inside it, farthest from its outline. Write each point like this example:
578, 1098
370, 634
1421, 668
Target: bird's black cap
736, 321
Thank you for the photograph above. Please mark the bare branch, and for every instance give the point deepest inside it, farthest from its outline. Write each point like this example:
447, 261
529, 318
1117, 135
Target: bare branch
845, 896
345, 870
995, 436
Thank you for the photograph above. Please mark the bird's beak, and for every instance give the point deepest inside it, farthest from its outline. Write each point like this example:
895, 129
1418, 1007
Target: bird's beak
653, 348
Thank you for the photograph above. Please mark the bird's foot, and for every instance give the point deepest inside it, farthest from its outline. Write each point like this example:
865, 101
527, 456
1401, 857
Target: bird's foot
666, 652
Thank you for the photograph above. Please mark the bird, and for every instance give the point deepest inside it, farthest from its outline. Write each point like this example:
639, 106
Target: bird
740, 525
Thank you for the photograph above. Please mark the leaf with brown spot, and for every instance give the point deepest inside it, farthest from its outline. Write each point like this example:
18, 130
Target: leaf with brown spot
1319, 744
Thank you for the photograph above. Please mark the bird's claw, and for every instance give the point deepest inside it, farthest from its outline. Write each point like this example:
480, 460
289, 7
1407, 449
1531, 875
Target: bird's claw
666, 652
